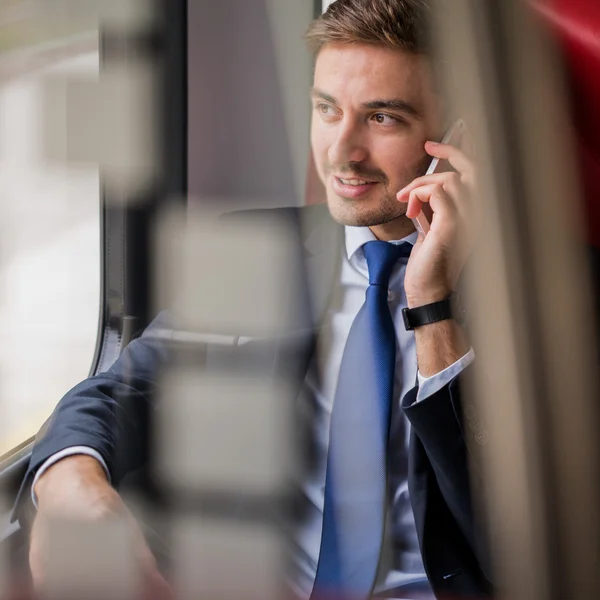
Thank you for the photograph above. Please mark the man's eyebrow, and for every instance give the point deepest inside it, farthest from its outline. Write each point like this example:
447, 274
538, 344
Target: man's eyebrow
395, 104
399, 105
316, 92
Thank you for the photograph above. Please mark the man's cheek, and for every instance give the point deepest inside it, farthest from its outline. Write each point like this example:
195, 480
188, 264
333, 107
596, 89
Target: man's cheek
411, 169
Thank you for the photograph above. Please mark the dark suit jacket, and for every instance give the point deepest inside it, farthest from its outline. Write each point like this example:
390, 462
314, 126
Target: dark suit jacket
110, 412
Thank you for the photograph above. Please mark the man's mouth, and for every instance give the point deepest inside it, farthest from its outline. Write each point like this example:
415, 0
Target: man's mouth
352, 187
354, 181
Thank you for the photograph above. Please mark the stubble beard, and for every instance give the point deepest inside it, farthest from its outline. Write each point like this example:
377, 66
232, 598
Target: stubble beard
347, 211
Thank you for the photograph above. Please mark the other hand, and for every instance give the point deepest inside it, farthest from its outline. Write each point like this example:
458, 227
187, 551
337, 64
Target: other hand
77, 488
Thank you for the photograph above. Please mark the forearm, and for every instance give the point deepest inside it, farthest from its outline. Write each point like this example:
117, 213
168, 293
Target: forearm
439, 345
74, 476
62, 455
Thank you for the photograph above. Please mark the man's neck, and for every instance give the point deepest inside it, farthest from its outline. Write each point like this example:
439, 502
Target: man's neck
394, 230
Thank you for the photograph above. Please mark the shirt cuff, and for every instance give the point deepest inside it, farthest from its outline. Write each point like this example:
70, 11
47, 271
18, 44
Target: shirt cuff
430, 385
63, 454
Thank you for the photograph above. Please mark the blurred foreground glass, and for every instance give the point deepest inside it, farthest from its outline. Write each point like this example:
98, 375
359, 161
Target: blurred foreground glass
50, 219
531, 416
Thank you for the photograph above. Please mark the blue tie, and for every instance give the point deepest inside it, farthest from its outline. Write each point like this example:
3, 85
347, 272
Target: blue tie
355, 488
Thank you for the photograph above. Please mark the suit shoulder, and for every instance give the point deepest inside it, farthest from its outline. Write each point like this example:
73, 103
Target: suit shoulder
284, 212
304, 217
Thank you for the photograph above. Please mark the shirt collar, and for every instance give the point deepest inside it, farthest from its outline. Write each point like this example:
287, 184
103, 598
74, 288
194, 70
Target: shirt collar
357, 237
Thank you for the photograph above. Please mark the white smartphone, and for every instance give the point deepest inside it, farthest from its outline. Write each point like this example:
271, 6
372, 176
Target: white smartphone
452, 136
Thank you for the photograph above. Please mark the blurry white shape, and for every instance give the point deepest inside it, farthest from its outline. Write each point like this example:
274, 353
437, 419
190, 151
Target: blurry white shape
49, 259
108, 121
326, 4
233, 279
216, 559
90, 560
224, 433
68, 107
24, 110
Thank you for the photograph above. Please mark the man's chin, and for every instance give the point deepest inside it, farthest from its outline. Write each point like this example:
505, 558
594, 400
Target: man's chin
354, 216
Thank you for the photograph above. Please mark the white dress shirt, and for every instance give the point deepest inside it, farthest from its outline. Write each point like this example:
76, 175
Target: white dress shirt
320, 386
321, 383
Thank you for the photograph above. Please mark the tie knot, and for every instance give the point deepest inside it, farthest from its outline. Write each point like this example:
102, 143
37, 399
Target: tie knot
381, 258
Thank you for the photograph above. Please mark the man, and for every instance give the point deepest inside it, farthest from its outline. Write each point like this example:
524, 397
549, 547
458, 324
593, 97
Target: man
375, 112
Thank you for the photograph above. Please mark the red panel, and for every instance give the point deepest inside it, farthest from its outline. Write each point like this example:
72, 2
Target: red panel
577, 25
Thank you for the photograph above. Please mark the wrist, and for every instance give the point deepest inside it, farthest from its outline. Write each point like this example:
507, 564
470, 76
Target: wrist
415, 300
67, 476
439, 345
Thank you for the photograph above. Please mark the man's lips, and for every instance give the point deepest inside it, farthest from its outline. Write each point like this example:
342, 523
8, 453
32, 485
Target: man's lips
351, 186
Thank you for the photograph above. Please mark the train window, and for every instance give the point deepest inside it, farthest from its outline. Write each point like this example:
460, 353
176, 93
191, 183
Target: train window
50, 230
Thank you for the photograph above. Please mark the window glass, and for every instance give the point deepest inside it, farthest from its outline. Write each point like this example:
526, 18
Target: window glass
50, 225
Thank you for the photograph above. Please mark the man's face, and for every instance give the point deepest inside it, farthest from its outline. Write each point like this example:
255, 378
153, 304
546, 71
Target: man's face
373, 110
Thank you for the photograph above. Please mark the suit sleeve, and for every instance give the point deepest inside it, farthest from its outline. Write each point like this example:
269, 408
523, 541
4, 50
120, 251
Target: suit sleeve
108, 413
446, 428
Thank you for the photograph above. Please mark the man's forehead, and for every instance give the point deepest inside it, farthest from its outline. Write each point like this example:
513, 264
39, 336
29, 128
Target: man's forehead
367, 72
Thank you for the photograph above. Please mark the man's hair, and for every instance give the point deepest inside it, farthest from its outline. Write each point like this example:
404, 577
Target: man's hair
396, 24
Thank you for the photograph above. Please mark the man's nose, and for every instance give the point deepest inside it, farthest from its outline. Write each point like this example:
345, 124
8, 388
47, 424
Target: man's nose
349, 145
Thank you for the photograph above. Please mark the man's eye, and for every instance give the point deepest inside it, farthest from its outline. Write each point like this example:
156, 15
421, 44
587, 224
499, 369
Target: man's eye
325, 110
383, 119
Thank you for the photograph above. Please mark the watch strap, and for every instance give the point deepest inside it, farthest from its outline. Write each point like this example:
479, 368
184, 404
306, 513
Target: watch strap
426, 314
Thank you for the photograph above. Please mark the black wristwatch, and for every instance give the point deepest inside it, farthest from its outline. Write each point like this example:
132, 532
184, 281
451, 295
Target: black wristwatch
430, 313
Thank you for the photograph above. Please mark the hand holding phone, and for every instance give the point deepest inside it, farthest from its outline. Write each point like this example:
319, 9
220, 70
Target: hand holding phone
448, 195
453, 136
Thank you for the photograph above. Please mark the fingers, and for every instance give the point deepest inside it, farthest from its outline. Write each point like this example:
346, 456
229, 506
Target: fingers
456, 157
449, 181
449, 192
453, 186
434, 194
